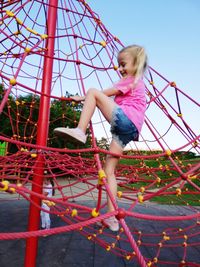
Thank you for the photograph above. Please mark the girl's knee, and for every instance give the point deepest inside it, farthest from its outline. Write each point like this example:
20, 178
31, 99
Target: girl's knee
92, 91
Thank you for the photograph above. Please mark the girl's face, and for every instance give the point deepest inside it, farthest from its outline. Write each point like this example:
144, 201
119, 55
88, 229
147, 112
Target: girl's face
125, 62
46, 181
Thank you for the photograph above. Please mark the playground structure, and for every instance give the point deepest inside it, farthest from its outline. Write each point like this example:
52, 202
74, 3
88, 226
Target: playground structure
48, 48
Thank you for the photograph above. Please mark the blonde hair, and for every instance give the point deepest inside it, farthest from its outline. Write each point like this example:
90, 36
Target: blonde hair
139, 59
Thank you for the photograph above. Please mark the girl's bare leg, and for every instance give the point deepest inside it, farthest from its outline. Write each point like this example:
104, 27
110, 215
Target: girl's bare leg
109, 168
95, 98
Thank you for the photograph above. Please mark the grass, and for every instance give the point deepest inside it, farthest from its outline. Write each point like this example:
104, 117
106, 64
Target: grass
162, 168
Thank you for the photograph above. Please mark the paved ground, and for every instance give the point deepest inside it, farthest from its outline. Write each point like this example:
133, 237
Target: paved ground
72, 249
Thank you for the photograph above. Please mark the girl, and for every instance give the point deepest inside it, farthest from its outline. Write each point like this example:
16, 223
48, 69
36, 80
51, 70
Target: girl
125, 113
48, 191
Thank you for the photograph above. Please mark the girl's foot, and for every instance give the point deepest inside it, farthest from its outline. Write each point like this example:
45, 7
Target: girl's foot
71, 134
112, 223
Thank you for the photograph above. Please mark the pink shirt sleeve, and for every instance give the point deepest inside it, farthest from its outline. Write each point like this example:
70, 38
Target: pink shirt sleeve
125, 84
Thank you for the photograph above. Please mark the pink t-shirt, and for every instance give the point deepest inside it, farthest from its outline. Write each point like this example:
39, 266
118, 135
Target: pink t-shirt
132, 99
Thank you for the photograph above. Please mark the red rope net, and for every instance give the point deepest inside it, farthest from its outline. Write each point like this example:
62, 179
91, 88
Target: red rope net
157, 185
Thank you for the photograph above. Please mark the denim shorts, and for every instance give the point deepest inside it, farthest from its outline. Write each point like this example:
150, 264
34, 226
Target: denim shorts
122, 128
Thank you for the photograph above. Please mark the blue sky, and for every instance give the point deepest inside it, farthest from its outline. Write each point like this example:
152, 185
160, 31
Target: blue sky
169, 30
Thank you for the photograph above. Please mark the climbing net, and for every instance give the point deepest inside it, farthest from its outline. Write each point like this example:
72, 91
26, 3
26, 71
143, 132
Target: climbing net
158, 176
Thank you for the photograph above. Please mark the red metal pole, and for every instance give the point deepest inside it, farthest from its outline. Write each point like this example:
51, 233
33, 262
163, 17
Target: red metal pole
42, 135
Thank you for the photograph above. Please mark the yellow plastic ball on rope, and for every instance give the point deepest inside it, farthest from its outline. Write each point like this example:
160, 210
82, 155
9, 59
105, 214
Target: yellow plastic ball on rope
166, 237
168, 152
178, 191
12, 81
94, 213
195, 144
128, 257
173, 84
142, 189
74, 213
5, 185
27, 49
12, 190
51, 203
119, 194
192, 177
102, 175
108, 248
33, 155
155, 260
158, 180
140, 198
160, 166
103, 43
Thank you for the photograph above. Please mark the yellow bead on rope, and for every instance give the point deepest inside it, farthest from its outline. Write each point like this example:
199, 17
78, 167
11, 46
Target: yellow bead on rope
103, 43
74, 212
140, 198
192, 177
5, 185
178, 192
119, 194
12, 81
27, 49
173, 84
12, 190
155, 260
108, 248
142, 189
33, 155
94, 213
168, 152
102, 175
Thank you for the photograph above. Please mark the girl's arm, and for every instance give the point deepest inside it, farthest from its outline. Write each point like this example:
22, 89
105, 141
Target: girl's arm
111, 91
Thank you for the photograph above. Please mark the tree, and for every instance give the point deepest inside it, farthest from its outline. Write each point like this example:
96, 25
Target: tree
20, 117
